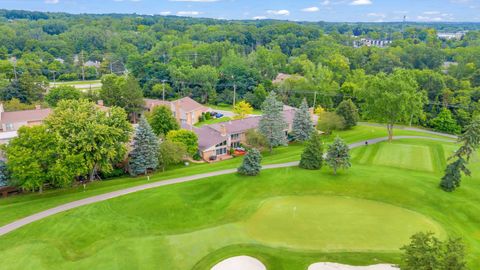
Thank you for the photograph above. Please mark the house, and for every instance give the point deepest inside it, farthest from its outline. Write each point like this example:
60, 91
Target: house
380, 43
216, 140
10, 122
185, 110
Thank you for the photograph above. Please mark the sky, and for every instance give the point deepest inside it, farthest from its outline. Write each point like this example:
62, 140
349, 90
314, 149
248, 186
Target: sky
295, 10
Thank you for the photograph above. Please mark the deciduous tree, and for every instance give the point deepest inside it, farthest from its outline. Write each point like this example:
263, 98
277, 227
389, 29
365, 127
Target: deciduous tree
186, 137
349, 112
171, 153
242, 109
162, 121
60, 93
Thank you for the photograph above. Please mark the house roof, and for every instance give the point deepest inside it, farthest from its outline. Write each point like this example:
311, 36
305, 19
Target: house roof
187, 104
208, 137
150, 103
281, 77
25, 116
238, 126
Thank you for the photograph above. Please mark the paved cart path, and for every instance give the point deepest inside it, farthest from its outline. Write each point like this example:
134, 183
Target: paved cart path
98, 198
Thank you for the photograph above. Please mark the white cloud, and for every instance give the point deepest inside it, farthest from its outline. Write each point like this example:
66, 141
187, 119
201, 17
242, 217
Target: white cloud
378, 15
164, 13
431, 12
361, 2
282, 12
259, 18
52, 1
311, 9
325, 3
188, 13
429, 19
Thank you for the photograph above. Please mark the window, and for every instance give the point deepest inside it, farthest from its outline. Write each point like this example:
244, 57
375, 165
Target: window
235, 144
221, 151
9, 127
235, 136
221, 144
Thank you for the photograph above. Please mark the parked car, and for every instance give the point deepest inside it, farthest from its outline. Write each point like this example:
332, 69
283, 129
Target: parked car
219, 115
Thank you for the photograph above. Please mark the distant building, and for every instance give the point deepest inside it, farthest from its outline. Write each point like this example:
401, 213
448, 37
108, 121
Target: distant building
281, 77
95, 64
185, 110
451, 35
380, 43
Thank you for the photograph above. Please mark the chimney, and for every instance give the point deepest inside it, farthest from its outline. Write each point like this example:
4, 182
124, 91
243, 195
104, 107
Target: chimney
223, 130
100, 102
38, 107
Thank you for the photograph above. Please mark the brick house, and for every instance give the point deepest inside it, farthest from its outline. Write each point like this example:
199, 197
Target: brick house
185, 110
217, 139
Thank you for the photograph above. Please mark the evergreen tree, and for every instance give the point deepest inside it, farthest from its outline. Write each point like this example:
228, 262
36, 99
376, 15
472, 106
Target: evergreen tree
349, 112
273, 124
251, 163
312, 156
162, 121
470, 140
144, 155
3, 174
338, 155
302, 123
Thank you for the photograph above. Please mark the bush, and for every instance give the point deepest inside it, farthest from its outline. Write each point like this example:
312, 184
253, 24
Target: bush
68, 77
185, 137
116, 172
255, 139
349, 112
444, 122
330, 121
251, 163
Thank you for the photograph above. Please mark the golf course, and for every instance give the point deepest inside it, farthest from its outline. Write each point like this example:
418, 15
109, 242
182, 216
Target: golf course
288, 218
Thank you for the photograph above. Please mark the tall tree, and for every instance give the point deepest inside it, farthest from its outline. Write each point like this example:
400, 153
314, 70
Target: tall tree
470, 140
162, 121
349, 112
392, 99
251, 163
338, 155
144, 155
273, 124
60, 93
312, 156
302, 123
98, 137
123, 92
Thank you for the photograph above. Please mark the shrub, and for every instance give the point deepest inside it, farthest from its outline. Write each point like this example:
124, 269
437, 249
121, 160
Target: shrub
251, 163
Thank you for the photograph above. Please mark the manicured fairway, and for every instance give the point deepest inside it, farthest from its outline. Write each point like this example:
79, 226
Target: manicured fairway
414, 157
333, 223
195, 225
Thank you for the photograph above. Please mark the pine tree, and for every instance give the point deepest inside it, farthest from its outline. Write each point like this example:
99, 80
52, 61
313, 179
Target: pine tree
144, 155
302, 123
273, 124
349, 112
3, 174
251, 163
312, 156
470, 140
453, 174
338, 155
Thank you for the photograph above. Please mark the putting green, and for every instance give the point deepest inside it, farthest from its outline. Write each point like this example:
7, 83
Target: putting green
333, 223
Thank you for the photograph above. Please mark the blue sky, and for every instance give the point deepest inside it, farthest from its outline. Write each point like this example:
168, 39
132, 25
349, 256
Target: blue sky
308, 10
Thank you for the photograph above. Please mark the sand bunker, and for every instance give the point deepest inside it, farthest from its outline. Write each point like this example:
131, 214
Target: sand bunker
240, 263
337, 266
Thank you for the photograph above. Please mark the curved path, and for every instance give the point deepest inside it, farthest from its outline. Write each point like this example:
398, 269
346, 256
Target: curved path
64, 207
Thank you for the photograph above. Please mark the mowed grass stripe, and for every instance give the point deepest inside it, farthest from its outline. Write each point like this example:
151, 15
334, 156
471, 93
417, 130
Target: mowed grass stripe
405, 156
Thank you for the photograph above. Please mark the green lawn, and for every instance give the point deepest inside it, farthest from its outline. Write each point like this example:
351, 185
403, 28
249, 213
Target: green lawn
288, 218
16, 207
213, 121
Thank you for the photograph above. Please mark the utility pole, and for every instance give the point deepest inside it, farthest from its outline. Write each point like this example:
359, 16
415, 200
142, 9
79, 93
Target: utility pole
163, 95
15, 69
83, 67
234, 91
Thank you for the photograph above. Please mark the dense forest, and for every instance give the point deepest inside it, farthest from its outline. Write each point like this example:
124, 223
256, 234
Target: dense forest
208, 59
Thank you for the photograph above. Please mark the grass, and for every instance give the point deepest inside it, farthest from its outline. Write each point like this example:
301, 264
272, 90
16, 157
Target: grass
213, 121
17, 207
361, 216
77, 82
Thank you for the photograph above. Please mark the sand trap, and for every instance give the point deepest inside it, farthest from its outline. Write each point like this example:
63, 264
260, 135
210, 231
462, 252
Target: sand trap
337, 266
240, 263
